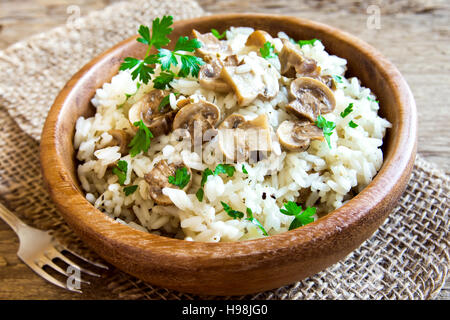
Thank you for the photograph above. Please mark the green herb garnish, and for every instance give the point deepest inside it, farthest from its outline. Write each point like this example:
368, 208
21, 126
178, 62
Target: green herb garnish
327, 128
301, 217
181, 178
130, 189
372, 99
217, 34
232, 213
199, 194
163, 79
337, 78
141, 141
220, 168
347, 110
224, 168
121, 171
352, 124
268, 51
244, 170
302, 43
255, 221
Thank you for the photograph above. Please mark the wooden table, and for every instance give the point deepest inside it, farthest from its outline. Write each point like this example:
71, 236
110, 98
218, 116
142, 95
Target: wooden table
413, 34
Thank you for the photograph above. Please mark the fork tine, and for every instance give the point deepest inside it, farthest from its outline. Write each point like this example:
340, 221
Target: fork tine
46, 261
60, 247
49, 278
56, 254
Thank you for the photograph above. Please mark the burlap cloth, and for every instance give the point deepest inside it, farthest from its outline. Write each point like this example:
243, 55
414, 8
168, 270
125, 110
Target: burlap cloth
407, 258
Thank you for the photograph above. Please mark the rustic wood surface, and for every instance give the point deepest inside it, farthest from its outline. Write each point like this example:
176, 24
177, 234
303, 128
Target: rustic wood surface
413, 34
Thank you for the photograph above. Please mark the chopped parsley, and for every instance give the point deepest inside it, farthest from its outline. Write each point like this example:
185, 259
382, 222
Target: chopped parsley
302, 43
181, 178
130, 189
141, 141
143, 69
255, 221
268, 51
352, 124
347, 110
244, 170
301, 217
327, 128
121, 171
232, 213
220, 168
372, 99
217, 34
337, 78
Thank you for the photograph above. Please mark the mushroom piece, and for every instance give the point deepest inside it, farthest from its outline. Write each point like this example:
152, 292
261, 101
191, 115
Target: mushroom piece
258, 38
292, 62
147, 109
120, 138
209, 75
240, 140
211, 46
158, 178
201, 115
311, 98
297, 135
253, 77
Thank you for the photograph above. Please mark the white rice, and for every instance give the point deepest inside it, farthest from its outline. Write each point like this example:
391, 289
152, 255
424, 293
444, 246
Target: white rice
332, 175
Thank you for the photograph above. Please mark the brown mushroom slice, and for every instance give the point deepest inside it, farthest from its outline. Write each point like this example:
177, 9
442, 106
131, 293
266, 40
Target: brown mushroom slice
158, 178
297, 135
252, 78
119, 138
202, 114
147, 109
209, 77
240, 140
211, 46
258, 38
311, 98
292, 62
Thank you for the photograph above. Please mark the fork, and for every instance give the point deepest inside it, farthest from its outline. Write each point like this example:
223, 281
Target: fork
38, 249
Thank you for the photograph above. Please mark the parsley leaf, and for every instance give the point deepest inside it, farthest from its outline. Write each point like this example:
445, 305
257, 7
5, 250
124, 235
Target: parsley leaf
372, 99
255, 221
199, 194
352, 124
129, 63
217, 34
162, 81
121, 171
130, 189
184, 44
160, 30
206, 173
141, 141
244, 170
338, 79
301, 217
327, 128
302, 43
166, 59
268, 50
181, 178
232, 213
347, 110
189, 65
225, 168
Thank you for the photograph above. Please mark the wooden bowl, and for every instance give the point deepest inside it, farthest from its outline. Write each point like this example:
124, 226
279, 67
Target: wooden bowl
247, 266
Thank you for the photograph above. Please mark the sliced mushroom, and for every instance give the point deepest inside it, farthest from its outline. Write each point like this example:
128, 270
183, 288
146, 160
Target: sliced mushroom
297, 135
240, 140
120, 138
147, 109
252, 78
328, 81
258, 38
158, 178
209, 76
211, 46
292, 62
311, 98
202, 114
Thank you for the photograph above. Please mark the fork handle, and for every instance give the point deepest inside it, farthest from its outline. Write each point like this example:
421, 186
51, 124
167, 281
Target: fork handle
10, 218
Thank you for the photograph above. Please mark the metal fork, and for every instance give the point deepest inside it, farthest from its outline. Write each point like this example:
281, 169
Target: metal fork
39, 248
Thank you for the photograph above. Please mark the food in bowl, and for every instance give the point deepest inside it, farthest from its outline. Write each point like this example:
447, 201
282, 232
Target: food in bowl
229, 136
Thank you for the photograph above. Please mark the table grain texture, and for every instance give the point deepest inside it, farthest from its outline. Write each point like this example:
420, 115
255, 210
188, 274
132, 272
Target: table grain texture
413, 34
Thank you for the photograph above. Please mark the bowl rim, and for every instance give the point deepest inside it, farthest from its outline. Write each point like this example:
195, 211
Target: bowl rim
394, 168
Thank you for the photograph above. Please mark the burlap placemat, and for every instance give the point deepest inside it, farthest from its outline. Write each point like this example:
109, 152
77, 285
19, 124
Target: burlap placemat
407, 258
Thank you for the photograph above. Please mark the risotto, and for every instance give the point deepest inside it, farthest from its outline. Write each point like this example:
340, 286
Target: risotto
228, 137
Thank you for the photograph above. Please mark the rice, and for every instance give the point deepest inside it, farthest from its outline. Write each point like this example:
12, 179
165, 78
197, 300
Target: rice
328, 176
